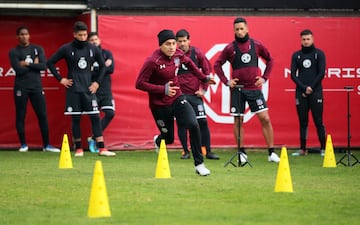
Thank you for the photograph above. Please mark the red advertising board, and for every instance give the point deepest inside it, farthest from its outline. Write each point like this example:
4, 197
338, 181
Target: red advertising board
133, 38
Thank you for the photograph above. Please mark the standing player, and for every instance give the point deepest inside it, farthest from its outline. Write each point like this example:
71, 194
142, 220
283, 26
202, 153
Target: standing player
103, 94
307, 71
243, 56
194, 90
80, 55
158, 77
28, 60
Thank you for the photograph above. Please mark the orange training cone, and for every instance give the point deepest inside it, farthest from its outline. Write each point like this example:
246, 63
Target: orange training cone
65, 156
329, 158
98, 202
162, 167
283, 178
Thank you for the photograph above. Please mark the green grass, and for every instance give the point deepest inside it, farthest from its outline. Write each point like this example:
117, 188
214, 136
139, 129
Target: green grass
34, 191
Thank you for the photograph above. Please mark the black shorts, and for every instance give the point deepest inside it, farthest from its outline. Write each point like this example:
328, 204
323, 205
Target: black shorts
105, 101
78, 103
254, 98
197, 104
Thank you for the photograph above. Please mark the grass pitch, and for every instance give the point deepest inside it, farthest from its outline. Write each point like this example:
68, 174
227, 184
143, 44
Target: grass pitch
34, 191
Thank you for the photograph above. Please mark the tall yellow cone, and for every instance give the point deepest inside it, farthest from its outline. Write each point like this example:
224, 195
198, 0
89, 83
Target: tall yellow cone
65, 161
162, 167
329, 158
98, 202
283, 178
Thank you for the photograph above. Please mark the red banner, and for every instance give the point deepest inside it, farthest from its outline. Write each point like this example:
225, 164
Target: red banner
133, 38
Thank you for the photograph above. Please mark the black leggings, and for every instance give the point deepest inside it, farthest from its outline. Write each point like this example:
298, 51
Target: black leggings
315, 103
95, 124
37, 100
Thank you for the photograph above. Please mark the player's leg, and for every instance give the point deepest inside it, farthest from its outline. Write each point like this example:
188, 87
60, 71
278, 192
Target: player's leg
316, 102
21, 99
302, 110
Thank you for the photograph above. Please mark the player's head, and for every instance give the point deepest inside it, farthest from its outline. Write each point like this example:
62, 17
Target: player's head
307, 38
183, 40
167, 42
22, 34
94, 39
240, 27
80, 31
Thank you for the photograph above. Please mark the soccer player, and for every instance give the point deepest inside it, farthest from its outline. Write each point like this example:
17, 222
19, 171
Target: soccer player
307, 72
243, 54
104, 93
158, 77
80, 55
194, 90
28, 60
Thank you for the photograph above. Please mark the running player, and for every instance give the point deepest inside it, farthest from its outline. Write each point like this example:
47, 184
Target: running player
158, 77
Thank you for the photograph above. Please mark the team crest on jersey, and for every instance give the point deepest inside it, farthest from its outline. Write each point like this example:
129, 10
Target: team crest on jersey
307, 63
177, 62
82, 64
246, 58
28, 59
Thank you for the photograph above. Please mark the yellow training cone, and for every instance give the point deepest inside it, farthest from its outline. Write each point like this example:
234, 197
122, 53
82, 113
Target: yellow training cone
283, 178
329, 158
65, 156
162, 167
98, 202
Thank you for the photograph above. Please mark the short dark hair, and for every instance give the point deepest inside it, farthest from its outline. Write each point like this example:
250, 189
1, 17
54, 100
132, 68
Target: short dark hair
92, 34
79, 26
19, 29
306, 32
240, 20
182, 33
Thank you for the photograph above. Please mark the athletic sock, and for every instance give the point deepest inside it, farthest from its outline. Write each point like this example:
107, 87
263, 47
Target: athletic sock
271, 150
100, 144
242, 149
77, 144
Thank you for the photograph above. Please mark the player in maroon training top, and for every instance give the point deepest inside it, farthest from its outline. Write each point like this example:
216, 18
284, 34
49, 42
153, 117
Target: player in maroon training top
158, 77
194, 91
243, 54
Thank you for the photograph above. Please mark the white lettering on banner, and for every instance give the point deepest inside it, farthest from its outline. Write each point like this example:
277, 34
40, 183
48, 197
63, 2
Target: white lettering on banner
358, 90
334, 72
11, 72
224, 116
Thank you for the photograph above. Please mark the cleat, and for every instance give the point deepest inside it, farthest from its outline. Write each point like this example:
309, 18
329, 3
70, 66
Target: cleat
24, 148
212, 155
202, 170
273, 157
79, 152
155, 145
299, 153
185, 156
92, 144
105, 152
50, 148
322, 152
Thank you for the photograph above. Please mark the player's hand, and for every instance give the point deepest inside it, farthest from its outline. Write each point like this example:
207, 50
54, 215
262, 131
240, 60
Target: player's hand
23, 63
233, 82
211, 81
200, 93
66, 82
108, 62
93, 87
308, 90
259, 81
170, 89
36, 60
